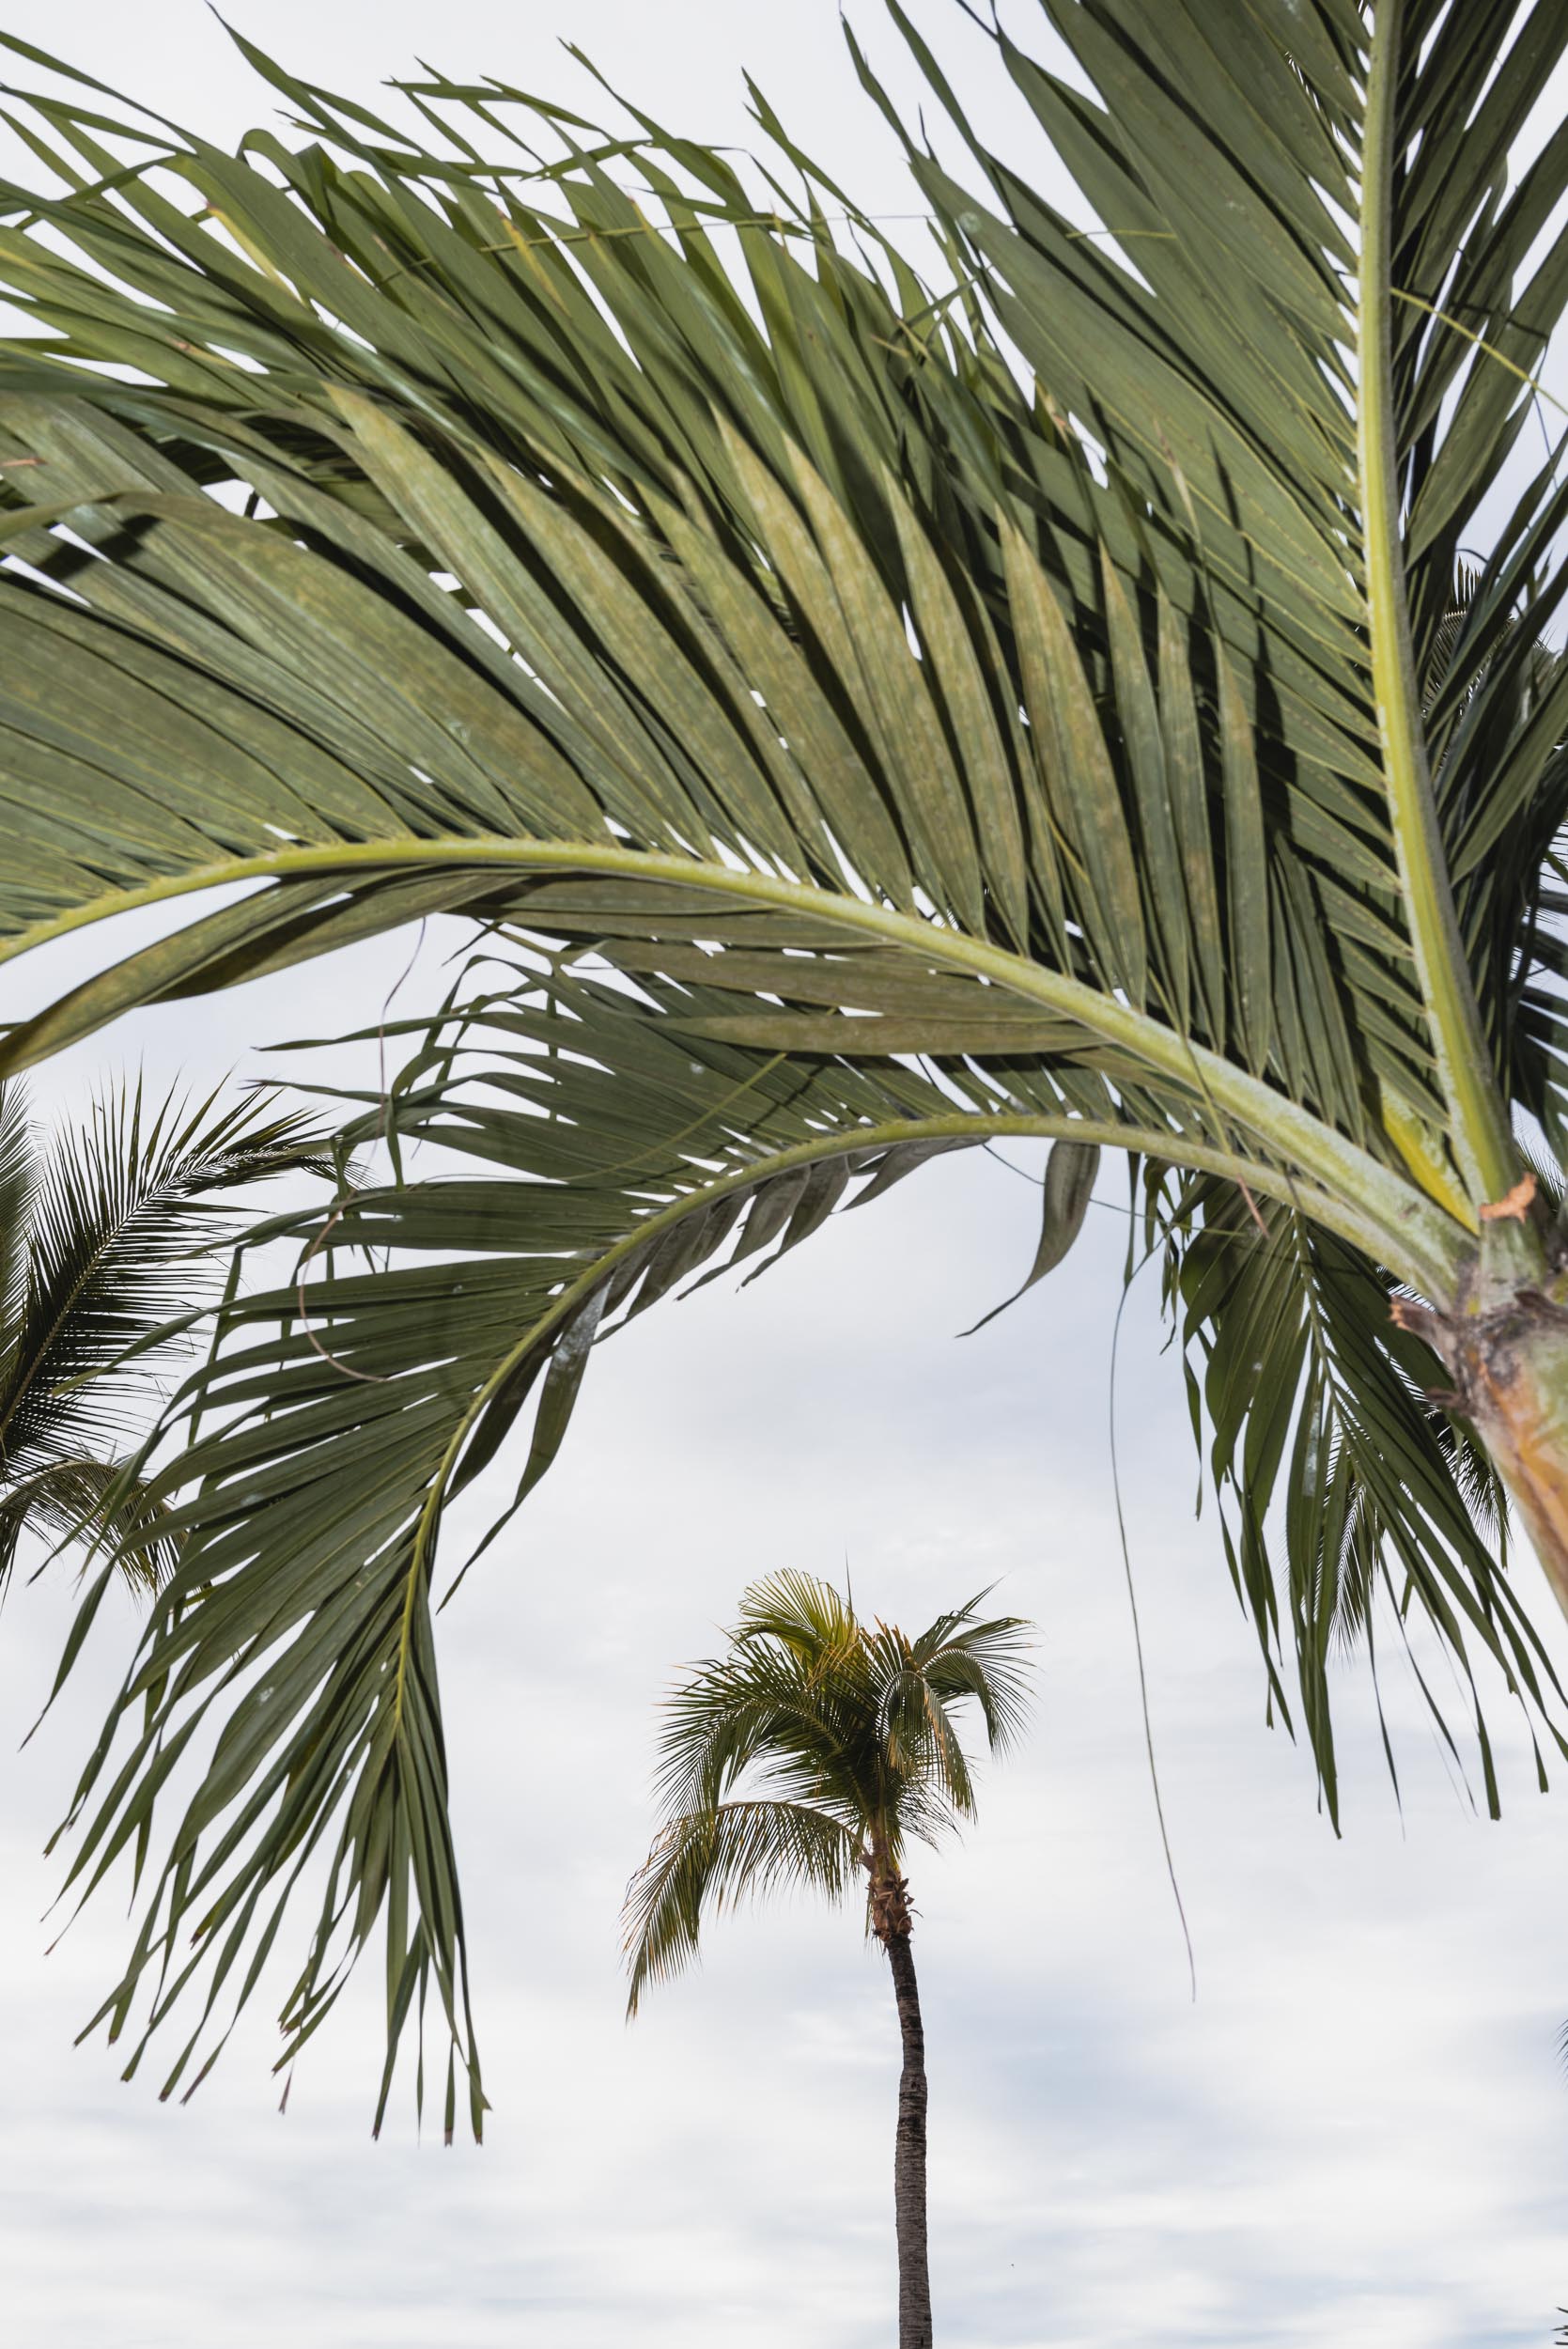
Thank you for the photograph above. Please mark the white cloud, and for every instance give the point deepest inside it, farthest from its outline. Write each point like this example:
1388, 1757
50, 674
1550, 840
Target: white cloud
1356, 2135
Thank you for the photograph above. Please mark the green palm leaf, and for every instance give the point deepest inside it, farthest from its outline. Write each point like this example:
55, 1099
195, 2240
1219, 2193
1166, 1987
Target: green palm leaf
855, 752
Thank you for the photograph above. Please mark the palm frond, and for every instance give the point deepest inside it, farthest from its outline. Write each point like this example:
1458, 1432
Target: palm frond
806, 1617
308, 1506
122, 1214
739, 1712
88, 1500
711, 1861
963, 1654
117, 1243
920, 1741
1323, 1411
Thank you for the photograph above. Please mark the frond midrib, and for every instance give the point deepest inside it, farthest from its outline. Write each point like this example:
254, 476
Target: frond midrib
1479, 1119
1417, 1237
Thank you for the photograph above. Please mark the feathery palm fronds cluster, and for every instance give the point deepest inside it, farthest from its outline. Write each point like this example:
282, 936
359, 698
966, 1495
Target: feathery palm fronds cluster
817, 1747
112, 1243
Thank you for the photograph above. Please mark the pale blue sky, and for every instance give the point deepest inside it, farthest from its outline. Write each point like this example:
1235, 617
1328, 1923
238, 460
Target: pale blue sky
1358, 2134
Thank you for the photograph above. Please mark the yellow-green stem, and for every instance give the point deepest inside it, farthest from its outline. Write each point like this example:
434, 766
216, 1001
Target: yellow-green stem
1479, 1133
1413, 1228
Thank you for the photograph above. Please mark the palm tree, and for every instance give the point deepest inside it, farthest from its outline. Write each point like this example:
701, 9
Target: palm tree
1097, 700
818, 1747
111, 1240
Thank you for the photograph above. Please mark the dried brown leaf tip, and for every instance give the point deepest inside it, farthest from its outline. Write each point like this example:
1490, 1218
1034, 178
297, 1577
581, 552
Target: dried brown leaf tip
1514, 1206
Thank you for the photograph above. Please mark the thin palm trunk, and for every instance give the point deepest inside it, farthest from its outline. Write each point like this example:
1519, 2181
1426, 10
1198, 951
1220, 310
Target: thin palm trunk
1510, 1368
909, 2160
890, 1922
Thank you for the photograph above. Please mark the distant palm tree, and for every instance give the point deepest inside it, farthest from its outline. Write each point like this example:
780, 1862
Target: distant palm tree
839, 1736
110, 1242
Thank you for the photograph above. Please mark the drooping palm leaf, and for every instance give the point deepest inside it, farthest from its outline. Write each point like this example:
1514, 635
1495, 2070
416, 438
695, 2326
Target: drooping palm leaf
742, 1849
1320, 1415
1128, 745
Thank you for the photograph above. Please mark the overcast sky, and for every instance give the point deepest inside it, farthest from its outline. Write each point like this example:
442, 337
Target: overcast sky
1358, 2134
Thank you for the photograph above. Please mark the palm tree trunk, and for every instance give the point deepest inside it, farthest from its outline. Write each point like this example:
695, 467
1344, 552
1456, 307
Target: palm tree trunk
909, 2161
1505, 1347
1516, 1388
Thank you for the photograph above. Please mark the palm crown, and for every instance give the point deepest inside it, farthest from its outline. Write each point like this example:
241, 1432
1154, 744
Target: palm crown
819, 1747
856, 749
